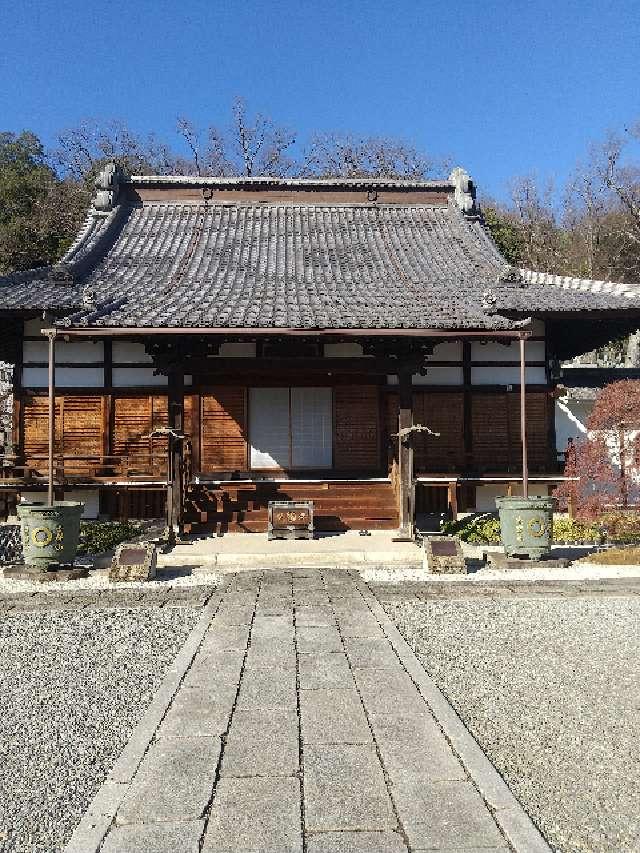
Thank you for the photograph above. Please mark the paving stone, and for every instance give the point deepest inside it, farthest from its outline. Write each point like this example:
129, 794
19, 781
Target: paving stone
371, 653
240, 598
358, 624
333, 716
344, 789
271, 654
255, 815
356, 842
388, 692
199, 712
275, 607
315, 617
315, 640
263, 689
324, 671
174, 781
183, 837
311, 597
225, 638
214, 669
415, 745
444, 814
233, 614
272, 627
262, 743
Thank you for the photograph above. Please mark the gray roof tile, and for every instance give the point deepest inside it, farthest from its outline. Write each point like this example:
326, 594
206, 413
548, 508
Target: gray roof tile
294, 265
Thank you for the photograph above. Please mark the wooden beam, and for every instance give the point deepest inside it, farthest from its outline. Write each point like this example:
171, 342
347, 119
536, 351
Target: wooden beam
143, 331
405, 457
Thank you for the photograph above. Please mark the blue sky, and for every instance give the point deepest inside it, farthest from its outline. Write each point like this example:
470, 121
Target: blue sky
503, 88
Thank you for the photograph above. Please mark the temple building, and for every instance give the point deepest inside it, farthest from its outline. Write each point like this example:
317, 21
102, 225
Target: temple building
222, 342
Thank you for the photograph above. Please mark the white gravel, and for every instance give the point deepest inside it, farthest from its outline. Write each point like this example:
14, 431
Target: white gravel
99, 580
550, 687
73, 684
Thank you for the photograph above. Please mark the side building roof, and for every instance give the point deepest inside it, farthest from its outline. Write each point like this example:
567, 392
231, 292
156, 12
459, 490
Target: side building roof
180, 252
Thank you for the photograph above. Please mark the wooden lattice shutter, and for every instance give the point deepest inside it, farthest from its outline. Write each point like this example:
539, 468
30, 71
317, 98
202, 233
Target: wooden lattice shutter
223, 430
356, 428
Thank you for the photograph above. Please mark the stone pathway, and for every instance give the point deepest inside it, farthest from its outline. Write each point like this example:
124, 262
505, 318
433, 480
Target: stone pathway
298, 728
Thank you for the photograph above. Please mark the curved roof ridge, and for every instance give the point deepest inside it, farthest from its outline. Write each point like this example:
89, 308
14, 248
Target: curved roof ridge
569, 282
274, 181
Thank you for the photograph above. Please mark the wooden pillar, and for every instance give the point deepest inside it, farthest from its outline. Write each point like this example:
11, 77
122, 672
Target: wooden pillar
405, 456
452, 499
467, 403
175, 451
52, 414
523, 421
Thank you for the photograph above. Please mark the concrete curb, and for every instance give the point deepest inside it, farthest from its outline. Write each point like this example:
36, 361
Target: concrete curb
94, 824
508, 813
299, 559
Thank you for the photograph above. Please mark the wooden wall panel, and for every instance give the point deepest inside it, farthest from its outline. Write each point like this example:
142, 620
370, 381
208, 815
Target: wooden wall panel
82, 425
442, 412
134, 418
223, 429
496, 431
539, 455
490, 432
35, 414
357, 428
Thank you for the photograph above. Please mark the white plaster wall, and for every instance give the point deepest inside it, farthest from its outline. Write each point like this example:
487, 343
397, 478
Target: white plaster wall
507, 376
237, 349
75, 351
66, 377
486, 495
347, 349
571, 421
449, 351
493, 351
132, 377
35, 327
89, 497
129, 352
440, 376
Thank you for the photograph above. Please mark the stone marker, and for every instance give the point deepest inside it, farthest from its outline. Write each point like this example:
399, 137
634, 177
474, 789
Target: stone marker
134, 562
443, 556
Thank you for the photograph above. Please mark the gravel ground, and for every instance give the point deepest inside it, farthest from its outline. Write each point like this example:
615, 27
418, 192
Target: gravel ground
550, 687
73, 684
99, 580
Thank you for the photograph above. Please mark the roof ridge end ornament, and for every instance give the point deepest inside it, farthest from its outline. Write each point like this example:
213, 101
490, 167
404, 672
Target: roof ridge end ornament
510, 274
464, 190
107, 184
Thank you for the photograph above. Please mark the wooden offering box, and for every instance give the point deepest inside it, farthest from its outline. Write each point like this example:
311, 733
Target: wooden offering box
290, 520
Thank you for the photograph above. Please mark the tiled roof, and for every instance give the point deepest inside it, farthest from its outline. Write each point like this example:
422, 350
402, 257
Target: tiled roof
290, 264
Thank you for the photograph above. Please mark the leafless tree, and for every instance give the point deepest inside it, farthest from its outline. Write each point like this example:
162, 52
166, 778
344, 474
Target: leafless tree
82, 150
344, 155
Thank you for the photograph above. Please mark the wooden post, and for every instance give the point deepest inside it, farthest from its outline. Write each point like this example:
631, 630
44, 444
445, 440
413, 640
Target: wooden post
52, 412
452, 496
523, 421
175, 452
405, 456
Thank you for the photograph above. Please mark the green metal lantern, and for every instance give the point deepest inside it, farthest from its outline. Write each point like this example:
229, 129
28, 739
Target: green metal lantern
526, 526
50, 534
